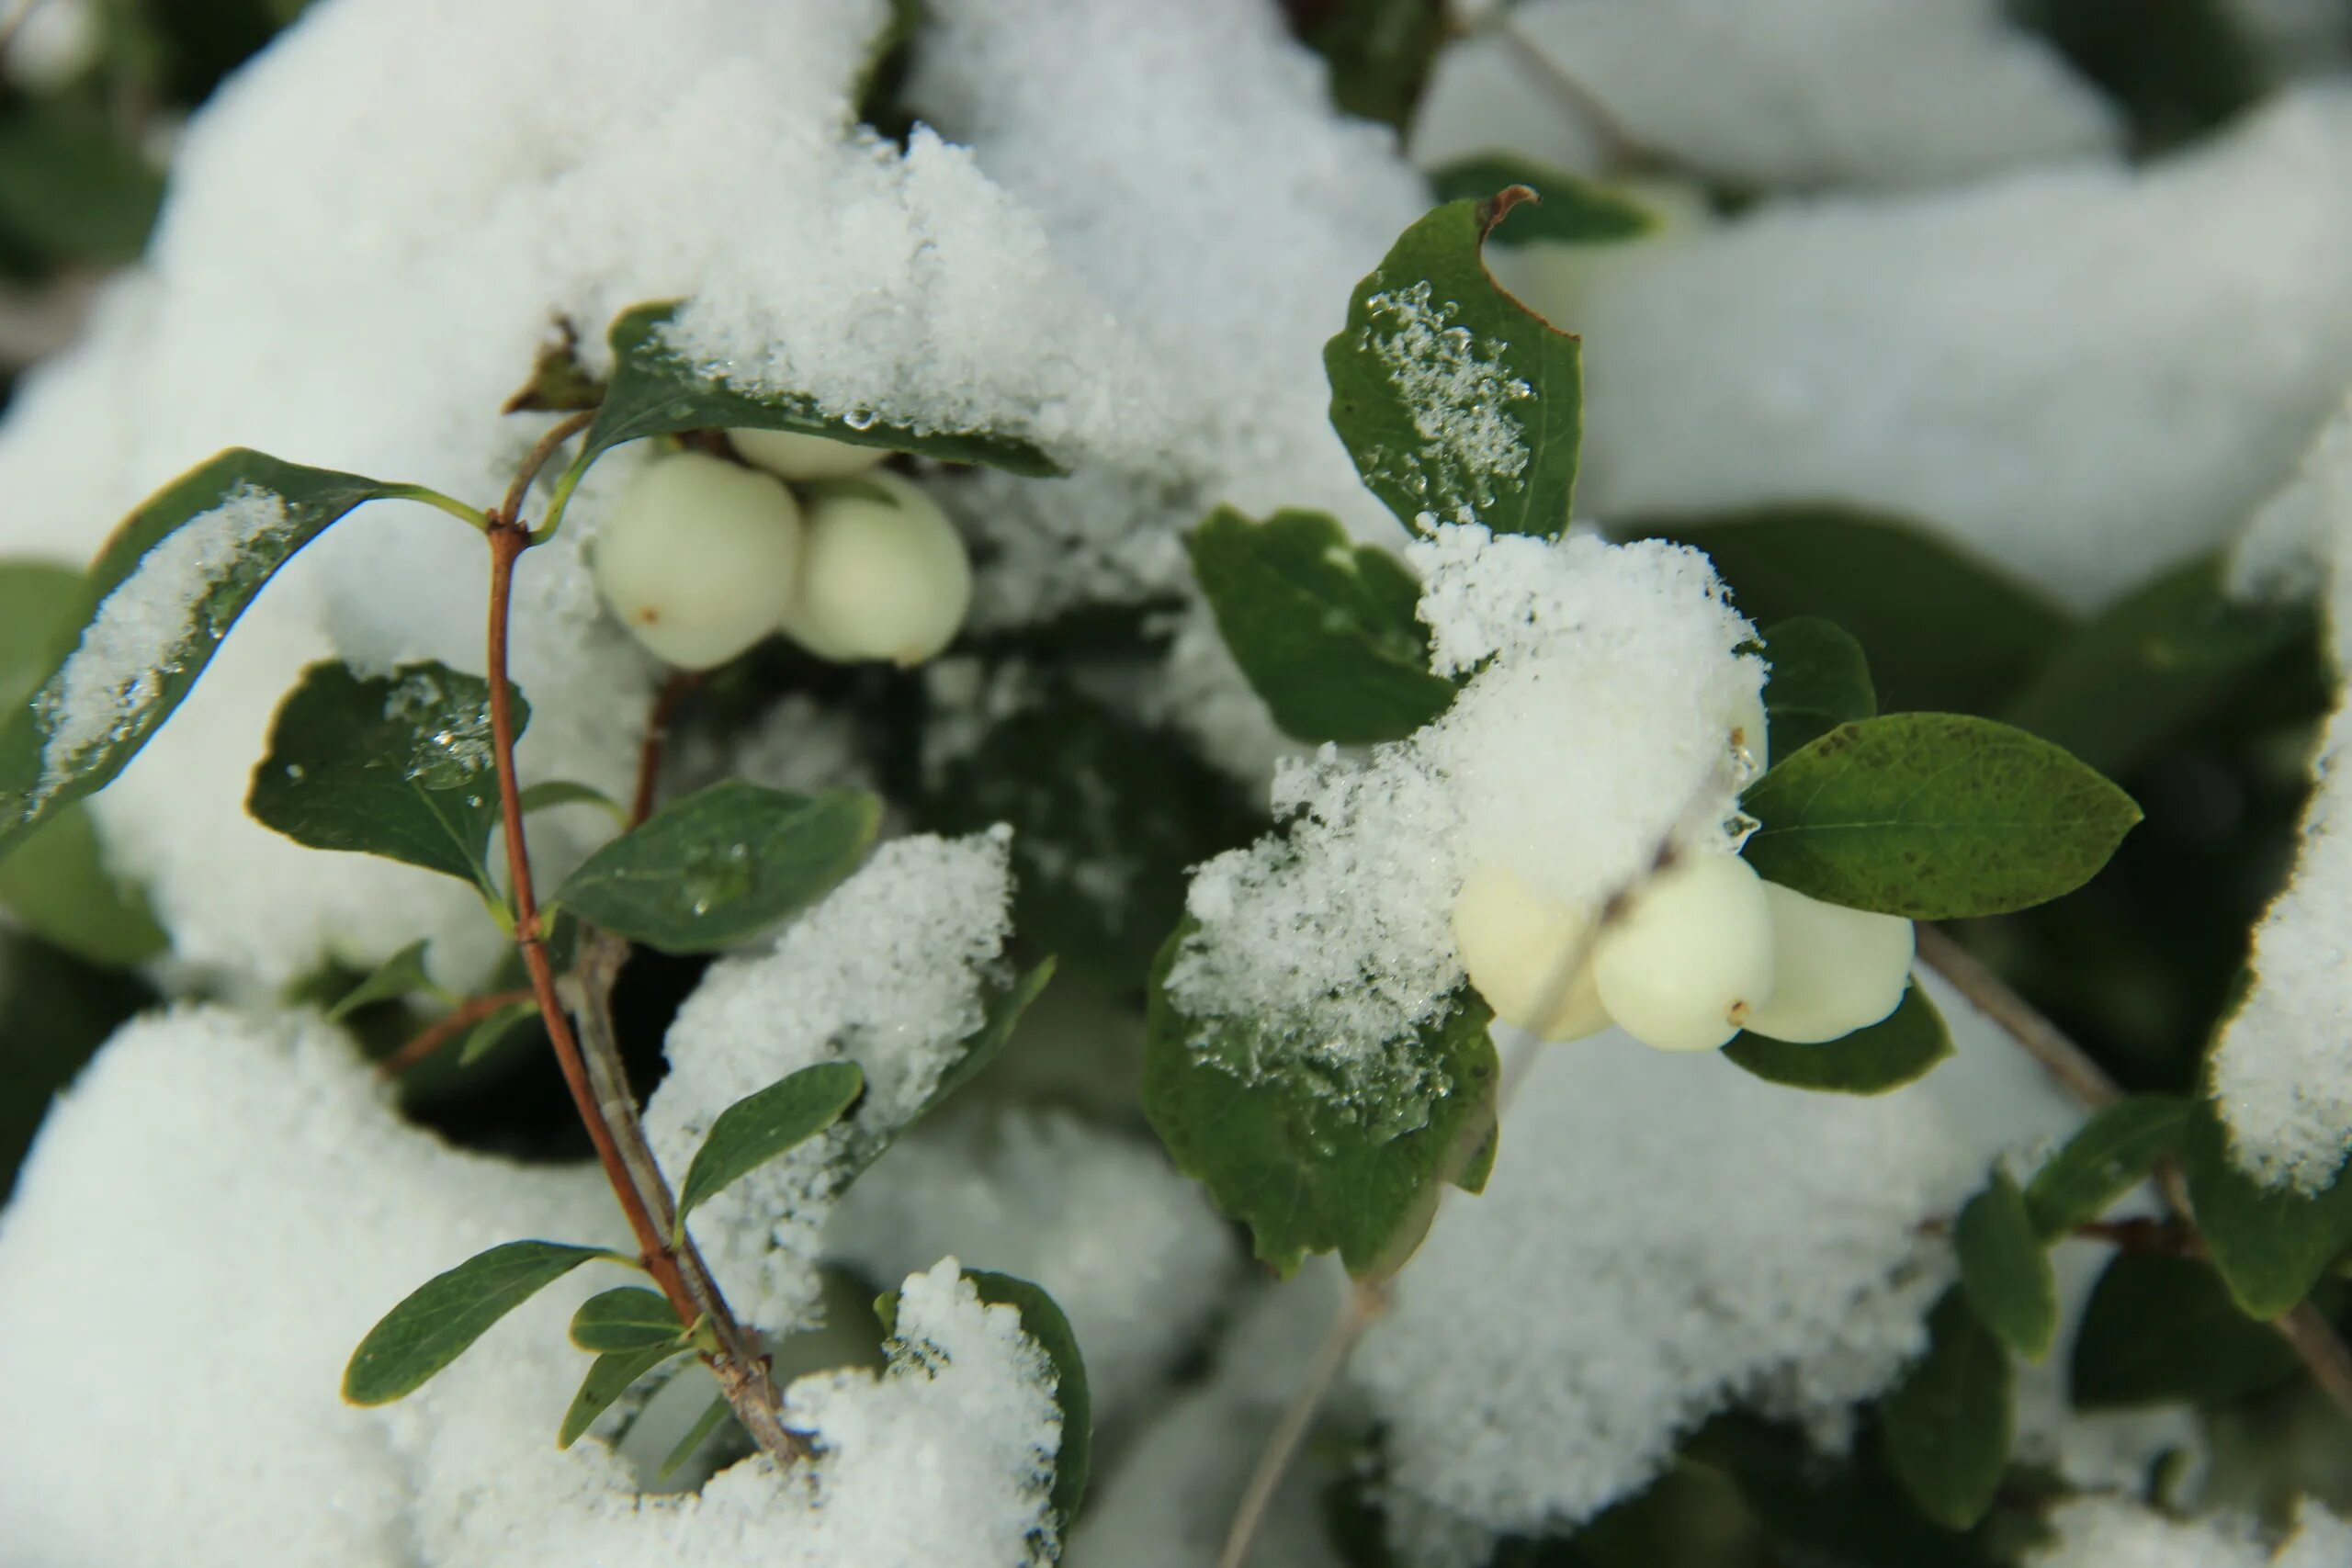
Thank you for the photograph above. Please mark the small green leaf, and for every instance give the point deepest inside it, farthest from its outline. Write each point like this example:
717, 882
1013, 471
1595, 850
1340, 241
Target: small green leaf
1044, 1322
1243, 1113
1933, 816
697, 1435
2005, 1269
1897, 1050
2159, 1329
566, 792
1944, 629
1380, 53
1458, 403
400, 765
1001, 1011
758, 1127
2271, 1244
656, 391
1819, 680
1570, 209
1946, 1423
492, 1031
161, 596
721, 864
2109, 1155
558, 383
396, 976
1324, 629
610, 1376
627, 1317
75, 184
441, 1318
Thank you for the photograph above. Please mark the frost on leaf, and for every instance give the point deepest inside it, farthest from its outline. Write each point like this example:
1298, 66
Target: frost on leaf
1460, 394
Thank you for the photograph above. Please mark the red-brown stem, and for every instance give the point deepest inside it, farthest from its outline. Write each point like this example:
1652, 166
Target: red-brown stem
446, 1028
657, 734
557, 435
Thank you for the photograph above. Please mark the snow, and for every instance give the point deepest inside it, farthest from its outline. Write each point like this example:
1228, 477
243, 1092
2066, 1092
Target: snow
888, 972
2282, 1067
1791, 93
2084, 372
2113, 1532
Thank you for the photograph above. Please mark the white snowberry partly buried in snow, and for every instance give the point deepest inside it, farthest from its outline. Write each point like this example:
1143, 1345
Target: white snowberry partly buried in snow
1691, 956
882, 575
1833, 969
797, 456
695, 555
1514, 946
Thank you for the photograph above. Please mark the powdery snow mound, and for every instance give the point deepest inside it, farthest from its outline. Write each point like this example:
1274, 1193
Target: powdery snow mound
2282, 1069
1799, 93
2112, 1532
235, 1192
2086, 372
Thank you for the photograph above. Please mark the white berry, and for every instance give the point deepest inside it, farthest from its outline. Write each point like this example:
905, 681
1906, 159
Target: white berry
883, 575
1834, 969
799, 457
1691, 956
693, 555
1513, 945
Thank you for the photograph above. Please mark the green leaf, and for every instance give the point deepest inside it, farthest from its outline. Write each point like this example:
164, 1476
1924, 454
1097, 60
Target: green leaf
441, 1318
627, 1318
1324, 629
2159, 1329
1943, 630
1828, 1510
1457, 403
721, 864
402, 765
2177, 69
2109, 1155
74, 187
1946, 1423
396, 976
2152, 664
697, 1435
1899, 1048
1380, 53
1934, 817
2271, 1244
245, 514
1244, 1113
2005, 1269
1819, 680
1569, 210
1001, 1011
610, 1376
656, 391
566, 792
1044, 1322
558, 383
758, 1127
492, 1031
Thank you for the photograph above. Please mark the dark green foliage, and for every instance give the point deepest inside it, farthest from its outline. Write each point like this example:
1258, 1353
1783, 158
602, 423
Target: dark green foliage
1946, 1423
2005, 1268
438, 1321
1900, 1047
1819, 680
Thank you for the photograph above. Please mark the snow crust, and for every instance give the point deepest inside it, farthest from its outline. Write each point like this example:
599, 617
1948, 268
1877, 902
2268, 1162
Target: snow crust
2113, 1532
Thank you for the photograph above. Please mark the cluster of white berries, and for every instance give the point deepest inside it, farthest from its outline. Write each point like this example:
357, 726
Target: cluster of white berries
1703, 950
701, 558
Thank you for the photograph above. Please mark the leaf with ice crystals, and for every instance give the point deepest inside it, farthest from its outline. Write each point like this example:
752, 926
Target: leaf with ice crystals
713, 868
1324, 629
154, 605
1310, 1168
1458, 403
400, 766
656, 391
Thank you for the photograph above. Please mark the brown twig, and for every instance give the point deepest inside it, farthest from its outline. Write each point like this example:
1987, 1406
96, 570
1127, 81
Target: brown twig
451, 1024
657, 735
557, 435
1364, 1305
1620, 150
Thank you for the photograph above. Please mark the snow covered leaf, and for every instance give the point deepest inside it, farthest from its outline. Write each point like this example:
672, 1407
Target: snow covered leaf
656, 391
1458, 403
1380, 53
395, 978
1307, 1168
438, 1321
156, 602
1933, 816
1819, 680
1946, 1423
758, 1127
1894, 1050
1042, 1318
1568, 209
2005, 1269
627, 1317
2270, 1243
1001, 1011
400, 765
1324, 629
717, 866
1944, 630
2158, 1329
492, 1031
2111, 1153
609, 1376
